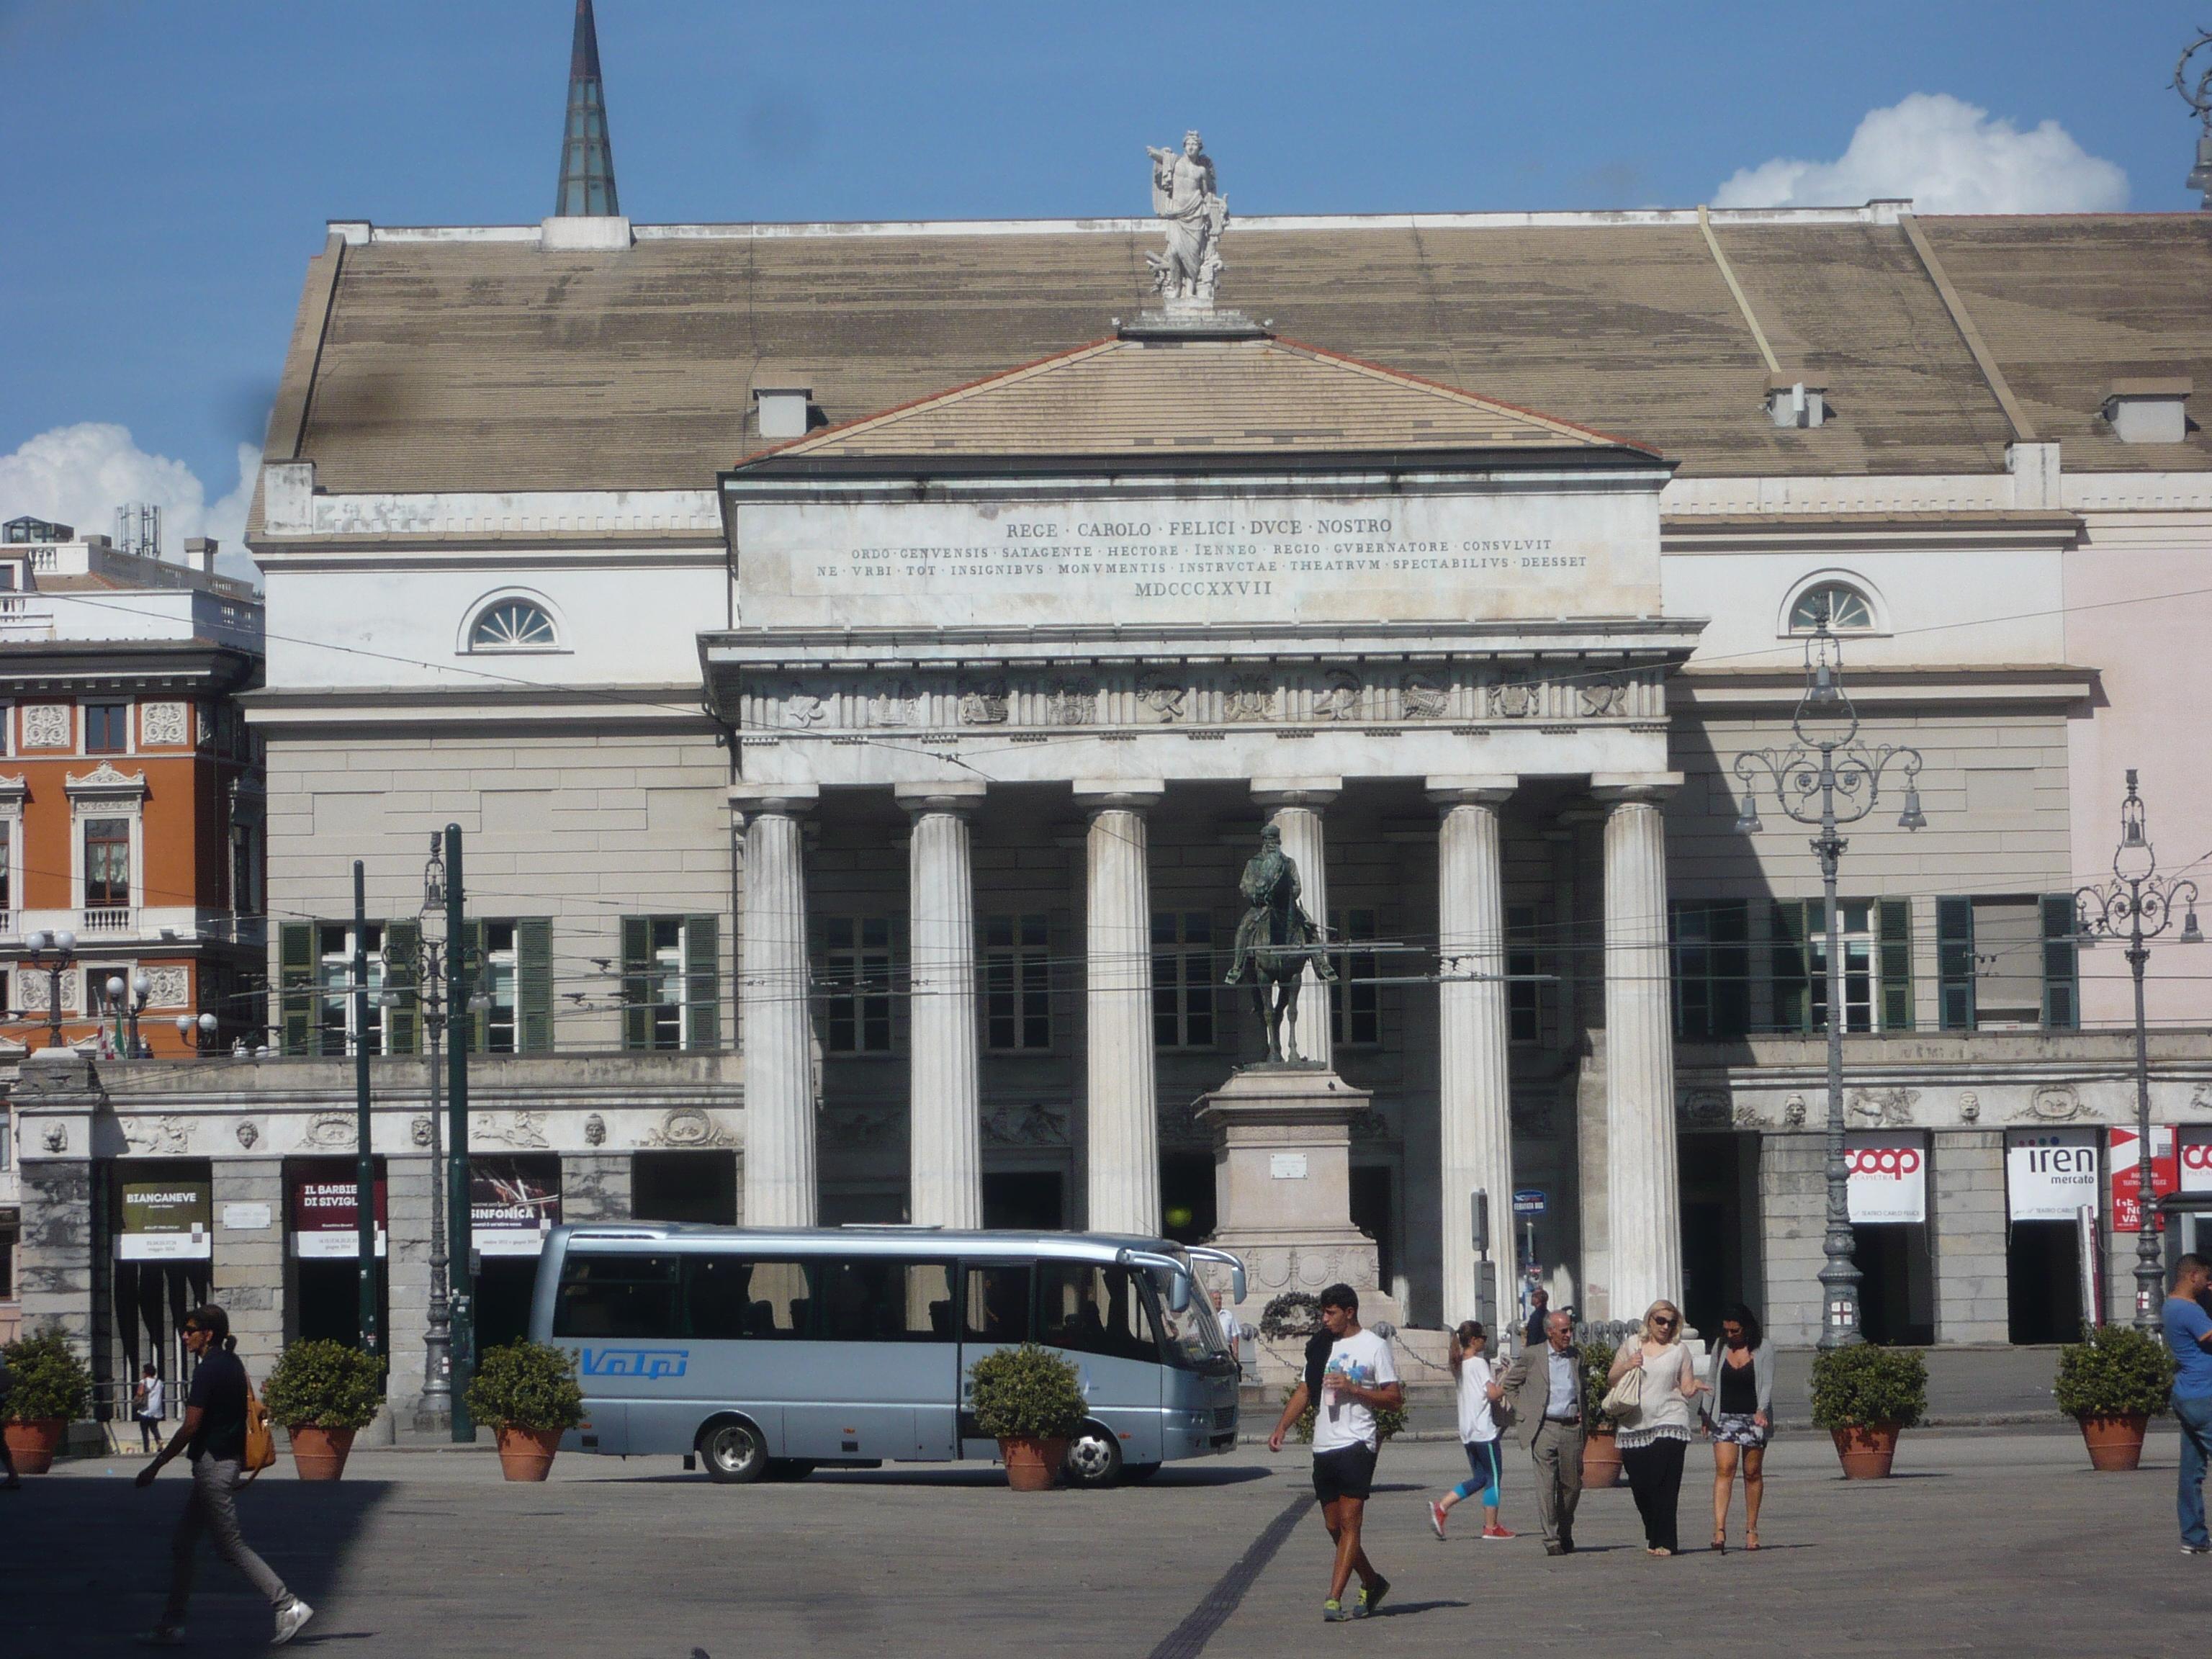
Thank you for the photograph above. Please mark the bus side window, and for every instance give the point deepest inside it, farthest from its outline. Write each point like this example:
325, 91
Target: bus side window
623, 1296
875, 1299
717, 1296
1087, 1308
998, 1303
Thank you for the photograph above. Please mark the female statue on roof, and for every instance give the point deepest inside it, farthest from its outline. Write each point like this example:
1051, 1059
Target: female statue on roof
1184, 194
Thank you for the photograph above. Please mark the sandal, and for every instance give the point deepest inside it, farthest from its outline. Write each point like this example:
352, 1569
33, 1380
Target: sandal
1720, 1543
1751, 1539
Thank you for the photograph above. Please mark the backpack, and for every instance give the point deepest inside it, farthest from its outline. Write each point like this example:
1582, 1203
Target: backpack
260, 1440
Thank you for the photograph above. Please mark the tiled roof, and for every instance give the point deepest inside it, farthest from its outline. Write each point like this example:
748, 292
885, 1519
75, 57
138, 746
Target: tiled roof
437, 364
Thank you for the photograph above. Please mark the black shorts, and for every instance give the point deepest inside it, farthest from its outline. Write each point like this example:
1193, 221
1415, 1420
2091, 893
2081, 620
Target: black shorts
1347, 1472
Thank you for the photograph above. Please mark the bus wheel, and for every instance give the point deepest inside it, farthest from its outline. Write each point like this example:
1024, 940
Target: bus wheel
1137, 1473
789, 1469
733, 1453
1094, 1458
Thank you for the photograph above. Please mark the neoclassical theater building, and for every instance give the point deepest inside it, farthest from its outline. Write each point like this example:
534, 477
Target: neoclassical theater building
861, 658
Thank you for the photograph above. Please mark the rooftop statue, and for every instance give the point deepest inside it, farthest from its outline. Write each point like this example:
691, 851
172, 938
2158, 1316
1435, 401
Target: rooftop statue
1184, 194
1275, 940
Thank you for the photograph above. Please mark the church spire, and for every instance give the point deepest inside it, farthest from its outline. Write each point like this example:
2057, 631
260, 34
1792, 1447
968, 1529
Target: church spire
588, 158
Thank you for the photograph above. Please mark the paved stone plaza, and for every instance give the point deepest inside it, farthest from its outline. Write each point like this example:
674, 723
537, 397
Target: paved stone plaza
1993, 1542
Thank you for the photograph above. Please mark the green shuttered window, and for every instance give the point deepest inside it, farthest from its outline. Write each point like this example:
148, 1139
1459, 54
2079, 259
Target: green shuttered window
671, 982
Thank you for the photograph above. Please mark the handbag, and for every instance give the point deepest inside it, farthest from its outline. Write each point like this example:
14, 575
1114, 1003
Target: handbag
260, 1440
1624, 1401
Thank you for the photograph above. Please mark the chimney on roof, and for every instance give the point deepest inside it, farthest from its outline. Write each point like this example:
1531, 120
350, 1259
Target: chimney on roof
2150, 411
784, 410
200, 550
587, 157
1792, 400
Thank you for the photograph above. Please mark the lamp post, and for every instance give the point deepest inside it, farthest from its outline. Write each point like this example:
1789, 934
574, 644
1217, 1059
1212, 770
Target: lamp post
53, 952
427, 970
196, 1033
2137, 905
128, 1008
1828, 779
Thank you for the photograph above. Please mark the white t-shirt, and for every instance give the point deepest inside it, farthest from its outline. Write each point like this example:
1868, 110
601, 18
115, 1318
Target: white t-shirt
1476, 1421
1361, 1359
1232, 1329
152, 1406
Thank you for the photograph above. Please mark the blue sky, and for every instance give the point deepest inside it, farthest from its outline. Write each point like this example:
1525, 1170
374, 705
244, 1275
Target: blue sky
171, 161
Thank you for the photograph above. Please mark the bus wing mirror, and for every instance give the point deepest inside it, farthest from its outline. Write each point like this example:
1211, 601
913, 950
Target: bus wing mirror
1178, 1275
1236, 1284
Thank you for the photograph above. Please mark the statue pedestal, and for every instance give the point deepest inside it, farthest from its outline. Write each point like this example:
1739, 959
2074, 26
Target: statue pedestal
1282, 1176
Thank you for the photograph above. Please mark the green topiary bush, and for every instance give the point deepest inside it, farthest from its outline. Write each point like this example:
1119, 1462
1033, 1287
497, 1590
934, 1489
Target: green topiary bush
1597, 1360
1865, 1386
45, 1379
324, 1385
2116, 1371
1028, 1393
526, 1385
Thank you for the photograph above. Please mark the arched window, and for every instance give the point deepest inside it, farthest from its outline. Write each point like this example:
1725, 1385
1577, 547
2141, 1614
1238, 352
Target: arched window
1846, 609
513, 625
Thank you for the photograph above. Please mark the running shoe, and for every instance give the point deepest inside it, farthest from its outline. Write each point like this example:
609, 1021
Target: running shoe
2196, 1549
1371, 1597
1332, 1612
1498, 1532
1437, 1513
289, 1617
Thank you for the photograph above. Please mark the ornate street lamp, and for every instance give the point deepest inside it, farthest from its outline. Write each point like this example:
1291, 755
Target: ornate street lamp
427, 970
197, 1033
2137, 904
128, 1007
1829, 779
53, 952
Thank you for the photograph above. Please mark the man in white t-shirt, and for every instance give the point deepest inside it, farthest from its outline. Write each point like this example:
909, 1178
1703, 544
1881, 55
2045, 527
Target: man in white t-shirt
1346, 1387
1232, 1329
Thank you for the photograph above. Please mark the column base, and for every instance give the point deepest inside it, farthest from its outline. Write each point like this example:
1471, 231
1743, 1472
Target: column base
1282, 1153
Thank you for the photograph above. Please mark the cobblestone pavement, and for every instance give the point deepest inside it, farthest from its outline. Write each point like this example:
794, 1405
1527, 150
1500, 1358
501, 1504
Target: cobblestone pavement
1984, 1543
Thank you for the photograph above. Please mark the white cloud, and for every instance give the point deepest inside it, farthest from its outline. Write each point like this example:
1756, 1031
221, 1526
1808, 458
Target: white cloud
81, 474
1950, 157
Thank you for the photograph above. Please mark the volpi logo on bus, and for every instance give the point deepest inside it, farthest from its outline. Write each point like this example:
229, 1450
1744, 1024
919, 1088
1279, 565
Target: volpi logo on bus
648, 1363
1885, 1163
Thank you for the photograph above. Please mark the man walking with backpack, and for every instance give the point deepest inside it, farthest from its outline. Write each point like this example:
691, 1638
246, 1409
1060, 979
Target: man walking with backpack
213, 1435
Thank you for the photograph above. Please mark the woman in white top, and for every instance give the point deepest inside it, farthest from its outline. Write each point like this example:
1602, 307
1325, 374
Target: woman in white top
1652, 1442
1478, 1426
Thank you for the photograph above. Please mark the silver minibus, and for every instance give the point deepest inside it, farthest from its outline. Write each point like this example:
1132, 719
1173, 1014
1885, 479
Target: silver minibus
770, 1354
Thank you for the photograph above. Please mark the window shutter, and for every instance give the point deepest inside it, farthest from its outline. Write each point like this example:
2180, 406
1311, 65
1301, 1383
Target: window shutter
295, 962
1895, 943
405, 1018
533, 984
636, 987
1793, 1000
703, 981
1955, 961
2061, 990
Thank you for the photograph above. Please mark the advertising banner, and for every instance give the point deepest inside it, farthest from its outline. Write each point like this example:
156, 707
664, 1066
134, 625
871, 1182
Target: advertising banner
2195, 1160
2049, 1173
1889, 1176
513, 1202
2127, 1208
167, 1220
325, 1216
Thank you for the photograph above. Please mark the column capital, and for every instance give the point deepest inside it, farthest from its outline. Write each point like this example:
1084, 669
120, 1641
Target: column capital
1622, 788
1119, 794
784, 799
962, 795
1272, 792
1475, 789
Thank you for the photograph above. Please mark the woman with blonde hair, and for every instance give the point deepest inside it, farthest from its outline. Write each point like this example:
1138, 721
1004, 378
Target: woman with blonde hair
1653, 1440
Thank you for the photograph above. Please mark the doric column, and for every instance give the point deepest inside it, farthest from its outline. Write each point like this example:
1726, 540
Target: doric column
1643, 1200
1294, 805
1475, 1128
781, 1190
1124, 1150
944, 1150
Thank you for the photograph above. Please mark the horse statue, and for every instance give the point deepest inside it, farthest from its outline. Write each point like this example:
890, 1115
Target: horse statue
1275, 940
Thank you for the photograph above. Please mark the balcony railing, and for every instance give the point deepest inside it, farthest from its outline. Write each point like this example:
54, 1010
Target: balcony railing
108, 920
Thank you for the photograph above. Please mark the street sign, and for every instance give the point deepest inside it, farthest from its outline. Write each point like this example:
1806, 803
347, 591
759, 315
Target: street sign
1529, 1201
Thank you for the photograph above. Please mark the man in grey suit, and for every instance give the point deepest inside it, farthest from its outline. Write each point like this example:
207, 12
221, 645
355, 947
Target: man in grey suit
1544, 1388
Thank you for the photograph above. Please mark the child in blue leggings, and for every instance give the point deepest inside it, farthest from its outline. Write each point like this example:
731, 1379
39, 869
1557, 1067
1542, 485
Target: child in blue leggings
1479, 1393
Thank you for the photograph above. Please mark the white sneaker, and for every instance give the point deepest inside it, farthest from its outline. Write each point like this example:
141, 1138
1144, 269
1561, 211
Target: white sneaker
289, 1617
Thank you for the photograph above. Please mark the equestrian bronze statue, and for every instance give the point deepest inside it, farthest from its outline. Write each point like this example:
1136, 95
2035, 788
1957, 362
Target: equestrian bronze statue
1275, 940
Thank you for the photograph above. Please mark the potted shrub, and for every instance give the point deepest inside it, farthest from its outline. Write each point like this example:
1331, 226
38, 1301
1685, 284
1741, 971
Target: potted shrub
1031, 1401
2112, 1383
1865, 1396
50, 1388
1601, 1451
322, 1394
528, 1393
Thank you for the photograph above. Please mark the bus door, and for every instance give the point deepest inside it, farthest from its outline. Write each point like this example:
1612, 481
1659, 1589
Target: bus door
994, 1314
882, 1353
1098, 1315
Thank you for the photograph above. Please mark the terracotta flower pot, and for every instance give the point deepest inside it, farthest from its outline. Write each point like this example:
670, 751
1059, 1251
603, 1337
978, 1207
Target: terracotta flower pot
33, 1444
2115, 1442
1866, 1451
1032, 1465
320, 1453
1600, 1458
528, 1454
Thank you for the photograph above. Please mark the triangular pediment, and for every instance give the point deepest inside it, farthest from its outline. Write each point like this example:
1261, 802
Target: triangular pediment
1135, 400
